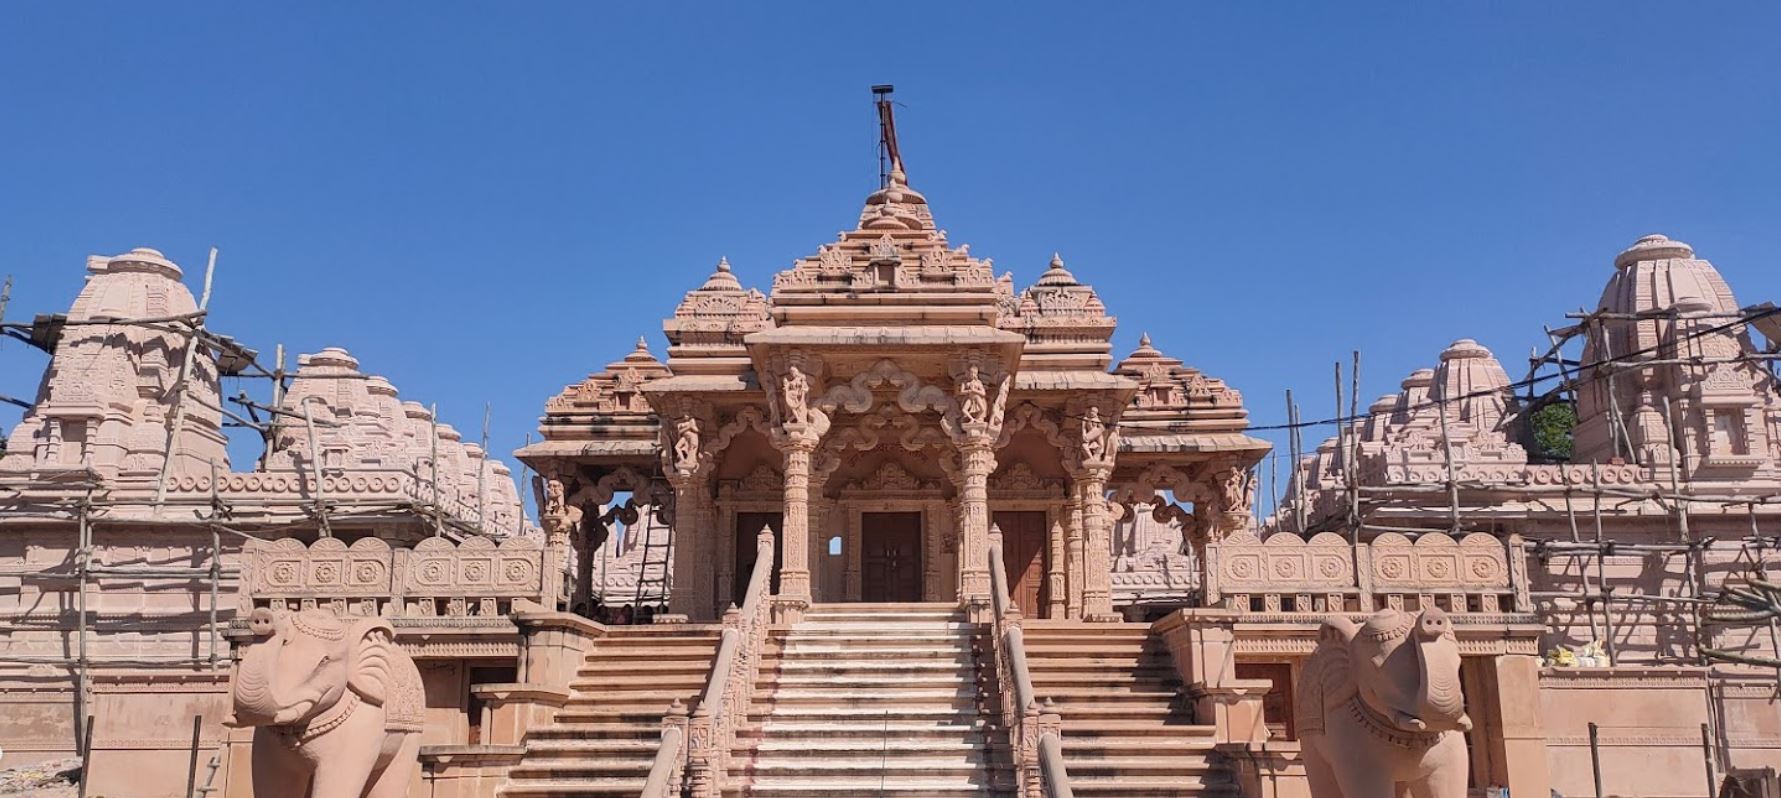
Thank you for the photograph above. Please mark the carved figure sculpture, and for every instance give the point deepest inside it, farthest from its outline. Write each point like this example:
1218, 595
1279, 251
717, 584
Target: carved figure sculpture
336, 705
1379, 707
795, 387
686, 443
973, 398
1094, 435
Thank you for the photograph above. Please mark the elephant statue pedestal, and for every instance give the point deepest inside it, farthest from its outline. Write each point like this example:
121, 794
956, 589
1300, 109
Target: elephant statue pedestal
336, 707
1380, 709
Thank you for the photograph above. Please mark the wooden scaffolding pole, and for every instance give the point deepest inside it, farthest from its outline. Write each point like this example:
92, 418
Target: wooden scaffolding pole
193, 334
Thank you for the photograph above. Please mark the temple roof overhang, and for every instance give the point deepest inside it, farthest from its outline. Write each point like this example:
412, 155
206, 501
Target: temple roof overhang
1192, 443
703, 383
1076, 381
613, 450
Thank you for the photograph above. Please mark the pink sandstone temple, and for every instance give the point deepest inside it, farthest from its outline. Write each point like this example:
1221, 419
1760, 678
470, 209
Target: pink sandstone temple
898, 525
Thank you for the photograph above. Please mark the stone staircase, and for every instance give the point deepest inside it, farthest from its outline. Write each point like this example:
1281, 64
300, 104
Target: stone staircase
873, 699
605, 737
1126, 729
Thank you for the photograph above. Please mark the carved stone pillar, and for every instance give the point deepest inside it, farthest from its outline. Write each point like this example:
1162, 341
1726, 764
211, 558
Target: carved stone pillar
974, 422
695, 568
794, 575
979, 461
1097, 582
724, 535
792, 380
554, 518
589, 536
933, 548
823, 575
1073, 557
1097, 442
1056, 587
850, 550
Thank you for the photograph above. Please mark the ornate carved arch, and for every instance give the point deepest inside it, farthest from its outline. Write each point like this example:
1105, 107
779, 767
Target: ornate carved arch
655, 492
748, 418
913, 395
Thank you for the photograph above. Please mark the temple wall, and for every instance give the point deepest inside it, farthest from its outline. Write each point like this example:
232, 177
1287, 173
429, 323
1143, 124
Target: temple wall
131, 616
1649, 727
146, 727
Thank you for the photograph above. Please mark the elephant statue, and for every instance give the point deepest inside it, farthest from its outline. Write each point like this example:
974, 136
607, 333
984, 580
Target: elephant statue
335, 704
1380, 711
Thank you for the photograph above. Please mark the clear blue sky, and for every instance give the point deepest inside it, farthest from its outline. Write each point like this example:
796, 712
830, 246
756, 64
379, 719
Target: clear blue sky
487, 202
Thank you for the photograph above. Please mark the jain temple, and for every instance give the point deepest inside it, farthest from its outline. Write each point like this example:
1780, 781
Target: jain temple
898, 525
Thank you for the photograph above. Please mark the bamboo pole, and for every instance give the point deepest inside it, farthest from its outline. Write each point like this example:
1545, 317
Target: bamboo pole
216, 569
1353, 455
82, 559
433, 465
1452, 481
482, 471
315, 469
180, 385
1601, 565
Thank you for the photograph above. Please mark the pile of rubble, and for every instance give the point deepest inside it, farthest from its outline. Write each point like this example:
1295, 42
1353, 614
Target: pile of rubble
51, 779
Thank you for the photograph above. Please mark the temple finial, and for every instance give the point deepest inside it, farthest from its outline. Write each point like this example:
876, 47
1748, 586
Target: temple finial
890, 160
723, 263
1144, 339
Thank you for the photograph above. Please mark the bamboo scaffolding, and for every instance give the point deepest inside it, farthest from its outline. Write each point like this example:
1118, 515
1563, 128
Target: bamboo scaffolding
180, 383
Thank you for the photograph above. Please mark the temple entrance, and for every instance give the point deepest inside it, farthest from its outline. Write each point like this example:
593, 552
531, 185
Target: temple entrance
1024, 547
890, 556
748, 526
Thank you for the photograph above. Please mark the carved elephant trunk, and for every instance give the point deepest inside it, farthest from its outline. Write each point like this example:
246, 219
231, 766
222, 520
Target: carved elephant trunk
1440, 703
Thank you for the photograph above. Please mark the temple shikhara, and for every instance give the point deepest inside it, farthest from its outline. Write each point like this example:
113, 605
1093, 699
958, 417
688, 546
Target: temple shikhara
898, 524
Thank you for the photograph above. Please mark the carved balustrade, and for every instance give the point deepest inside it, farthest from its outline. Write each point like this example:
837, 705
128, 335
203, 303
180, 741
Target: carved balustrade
436, 578
730, 689
1036, 735
1475, 574
667, 775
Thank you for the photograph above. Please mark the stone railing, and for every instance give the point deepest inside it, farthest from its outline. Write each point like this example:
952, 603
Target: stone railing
1036, 736
476, 578
1476, 574
667, 773
728, 692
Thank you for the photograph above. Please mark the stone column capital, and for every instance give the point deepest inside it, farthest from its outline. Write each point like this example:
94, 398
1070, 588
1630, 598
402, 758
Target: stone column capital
796, 438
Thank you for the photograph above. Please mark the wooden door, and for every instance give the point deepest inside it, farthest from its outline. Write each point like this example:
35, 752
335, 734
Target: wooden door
748, 526
1024, 551
890, 556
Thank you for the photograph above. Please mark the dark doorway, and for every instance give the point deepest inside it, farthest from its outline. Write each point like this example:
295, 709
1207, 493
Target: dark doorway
890, 556
1024, 553
748, 526
1277, 704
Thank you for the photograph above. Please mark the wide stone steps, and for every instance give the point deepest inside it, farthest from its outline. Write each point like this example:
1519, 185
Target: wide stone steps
814, 732
836, 652
1127, 731
604, 739
573, 788
871, 699
864, 678
596, 730
818, 787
